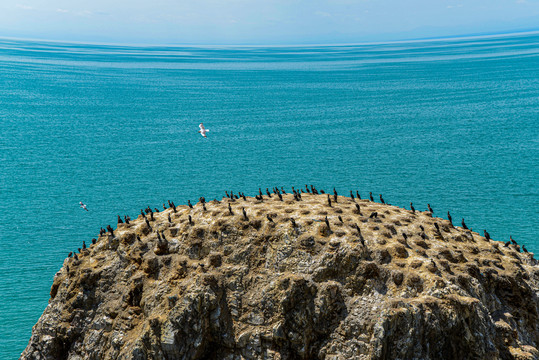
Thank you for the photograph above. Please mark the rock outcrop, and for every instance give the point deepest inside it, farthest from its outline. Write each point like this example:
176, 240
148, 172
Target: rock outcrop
292, 280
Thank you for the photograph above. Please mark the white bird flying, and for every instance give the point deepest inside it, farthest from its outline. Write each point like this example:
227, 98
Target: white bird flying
203, 130
83, 205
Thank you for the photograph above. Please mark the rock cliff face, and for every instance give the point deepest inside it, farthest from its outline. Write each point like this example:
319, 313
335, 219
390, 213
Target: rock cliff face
224, 285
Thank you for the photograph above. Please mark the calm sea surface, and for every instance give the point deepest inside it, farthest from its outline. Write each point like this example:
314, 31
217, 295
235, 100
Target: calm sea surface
453, 123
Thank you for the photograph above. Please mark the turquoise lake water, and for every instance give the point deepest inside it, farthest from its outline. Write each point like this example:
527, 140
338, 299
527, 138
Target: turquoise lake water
453, 123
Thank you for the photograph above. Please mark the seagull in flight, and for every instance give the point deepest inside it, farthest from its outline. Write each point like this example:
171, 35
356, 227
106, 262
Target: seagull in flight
83, 205
203, 130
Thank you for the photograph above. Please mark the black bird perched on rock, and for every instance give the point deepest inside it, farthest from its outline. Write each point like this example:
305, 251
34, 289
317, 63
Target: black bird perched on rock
382, 199
487, 235
260, 191
280, 196
84, 245
70, 254
147, 222
329, 201
412, 207
313, 190
449, 218
358, 209
75, 257
307, 189
293, 222
244, 214
421, 227
120, 220
158, 236
138, 238
190, 220
156, 210
243, 197
93, 241
352, 195
340, 218
464, 224
282, 190
204, 206
437, 227
151, 215
169, 219
189, 203
127, 219
164, 207
102, 231
230, 209
374, 214
174, 207
142, 213
430, 209
370, 196
405, 236
361, 239
357, 195
524, 248
269, 218
202, 199
163, 235
512, 241
327, 223
110, 230
322, 191
268, 193
507, 244
226, 192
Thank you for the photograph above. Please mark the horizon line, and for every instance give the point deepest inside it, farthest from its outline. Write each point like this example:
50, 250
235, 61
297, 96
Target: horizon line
408, 40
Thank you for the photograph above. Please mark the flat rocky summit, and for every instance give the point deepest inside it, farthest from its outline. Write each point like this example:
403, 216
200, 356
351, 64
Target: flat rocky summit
374, 281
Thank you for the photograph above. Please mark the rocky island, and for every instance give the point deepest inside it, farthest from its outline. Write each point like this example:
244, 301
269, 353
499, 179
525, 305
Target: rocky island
291, 276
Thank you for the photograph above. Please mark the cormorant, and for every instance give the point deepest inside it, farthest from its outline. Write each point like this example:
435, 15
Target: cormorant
412, 207
464, 224
169, 219
268, 193
357, 195
94, 240
244, 214
405, 236
358, 209
430, 209
230, 209
329, 201
382, 199
327, 223
507, 244
374, 214
190, 220
189, 203
370, 196
307, 188
449, 218
352, 195
293, 222
487, 235
75, 257
120, 220
512, 241
70, 254
110, 230
524, 248
84, 245
269, 218
340, 219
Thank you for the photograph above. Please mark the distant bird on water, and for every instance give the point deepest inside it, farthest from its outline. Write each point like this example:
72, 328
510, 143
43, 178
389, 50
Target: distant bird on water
83, 206
203, 130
